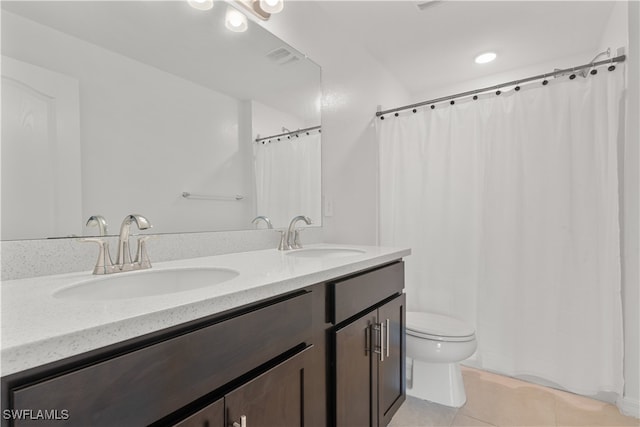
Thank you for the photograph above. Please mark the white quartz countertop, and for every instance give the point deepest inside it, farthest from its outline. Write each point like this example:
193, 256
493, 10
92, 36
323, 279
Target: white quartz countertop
38, 328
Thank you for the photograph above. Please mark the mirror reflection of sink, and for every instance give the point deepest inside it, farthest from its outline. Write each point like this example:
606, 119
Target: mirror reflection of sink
145, 283
325, 253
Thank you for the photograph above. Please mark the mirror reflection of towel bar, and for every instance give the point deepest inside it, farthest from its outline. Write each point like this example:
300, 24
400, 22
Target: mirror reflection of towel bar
188, 195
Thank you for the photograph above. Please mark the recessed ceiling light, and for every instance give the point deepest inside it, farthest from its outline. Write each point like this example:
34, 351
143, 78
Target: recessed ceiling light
485, 57
201, 4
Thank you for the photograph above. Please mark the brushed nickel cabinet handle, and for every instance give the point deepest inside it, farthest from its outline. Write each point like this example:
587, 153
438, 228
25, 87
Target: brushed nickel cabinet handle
382, 335
388, 337
367, 339
243, 422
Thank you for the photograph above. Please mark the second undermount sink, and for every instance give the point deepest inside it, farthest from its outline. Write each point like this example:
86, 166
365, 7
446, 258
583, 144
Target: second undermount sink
145, 283
325, 253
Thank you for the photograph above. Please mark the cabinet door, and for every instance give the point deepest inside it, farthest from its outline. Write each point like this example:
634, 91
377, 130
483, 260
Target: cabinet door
353, 379
274, 399
211, 416
391, 370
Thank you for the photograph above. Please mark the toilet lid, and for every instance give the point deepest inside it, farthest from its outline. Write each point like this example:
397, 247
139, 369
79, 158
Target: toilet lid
437, 325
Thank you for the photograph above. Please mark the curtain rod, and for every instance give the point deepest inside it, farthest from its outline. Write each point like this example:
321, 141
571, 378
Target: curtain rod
620, 58
295, 132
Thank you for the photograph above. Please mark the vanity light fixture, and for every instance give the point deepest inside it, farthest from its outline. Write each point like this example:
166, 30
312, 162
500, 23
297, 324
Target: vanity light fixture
235, 21
261, 9
485, 57
201, 4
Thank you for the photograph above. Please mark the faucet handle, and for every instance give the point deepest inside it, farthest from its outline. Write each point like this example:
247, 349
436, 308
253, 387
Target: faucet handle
282, 246
142, 260
104, 265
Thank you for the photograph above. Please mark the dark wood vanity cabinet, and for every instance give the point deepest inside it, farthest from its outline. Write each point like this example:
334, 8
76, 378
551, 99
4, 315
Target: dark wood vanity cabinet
328, 354
369, 349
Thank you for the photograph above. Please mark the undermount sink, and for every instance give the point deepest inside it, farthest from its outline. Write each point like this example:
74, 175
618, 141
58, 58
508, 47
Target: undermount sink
325, 253
145, 283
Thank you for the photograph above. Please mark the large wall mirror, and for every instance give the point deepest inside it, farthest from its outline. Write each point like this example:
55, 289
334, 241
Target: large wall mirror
114, 108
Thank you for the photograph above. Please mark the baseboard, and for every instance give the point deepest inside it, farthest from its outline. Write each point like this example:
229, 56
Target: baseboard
628, 406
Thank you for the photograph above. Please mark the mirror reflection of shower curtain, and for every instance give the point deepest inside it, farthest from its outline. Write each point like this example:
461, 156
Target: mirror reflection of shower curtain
510, 206
288, 179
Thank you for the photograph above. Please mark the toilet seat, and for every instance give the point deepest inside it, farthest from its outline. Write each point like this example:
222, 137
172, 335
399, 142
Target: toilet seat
438, 327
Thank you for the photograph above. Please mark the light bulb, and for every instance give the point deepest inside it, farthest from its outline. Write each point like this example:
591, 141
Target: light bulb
485, 57
235, 21
272, 6
201, 4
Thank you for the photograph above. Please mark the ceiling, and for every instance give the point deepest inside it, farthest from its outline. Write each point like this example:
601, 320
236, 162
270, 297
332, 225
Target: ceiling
436, 46
423, 49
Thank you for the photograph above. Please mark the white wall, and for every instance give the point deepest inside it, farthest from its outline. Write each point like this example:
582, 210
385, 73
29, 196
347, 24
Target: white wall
616, 32
630, 223
353, 83
132, 114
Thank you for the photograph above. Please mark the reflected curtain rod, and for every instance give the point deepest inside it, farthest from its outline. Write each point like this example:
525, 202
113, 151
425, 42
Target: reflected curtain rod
620, 58
295, 132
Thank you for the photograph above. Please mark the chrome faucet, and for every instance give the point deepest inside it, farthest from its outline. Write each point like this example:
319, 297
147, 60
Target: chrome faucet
123, 260
104, 264
292, 236
263, 218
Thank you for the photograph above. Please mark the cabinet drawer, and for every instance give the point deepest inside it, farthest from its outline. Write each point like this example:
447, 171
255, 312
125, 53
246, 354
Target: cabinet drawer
356, 294
145, 385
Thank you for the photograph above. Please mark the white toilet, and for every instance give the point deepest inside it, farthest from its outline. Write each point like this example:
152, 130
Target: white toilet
436, 343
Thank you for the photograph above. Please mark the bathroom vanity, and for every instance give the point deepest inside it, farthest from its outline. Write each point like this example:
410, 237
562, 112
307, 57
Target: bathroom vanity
311, 339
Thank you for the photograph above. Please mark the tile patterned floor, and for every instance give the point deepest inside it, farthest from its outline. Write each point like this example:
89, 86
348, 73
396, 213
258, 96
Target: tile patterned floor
495, 400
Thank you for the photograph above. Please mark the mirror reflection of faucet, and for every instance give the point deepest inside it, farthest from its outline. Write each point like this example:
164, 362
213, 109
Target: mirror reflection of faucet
104, 264
266, 219
100, 222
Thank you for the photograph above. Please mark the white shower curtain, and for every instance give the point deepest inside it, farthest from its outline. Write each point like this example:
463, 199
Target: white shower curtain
510, 205
288, 179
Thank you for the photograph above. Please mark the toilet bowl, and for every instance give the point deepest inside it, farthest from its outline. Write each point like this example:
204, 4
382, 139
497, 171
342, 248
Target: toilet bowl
435, 345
